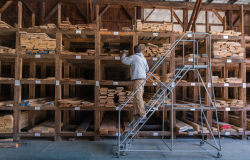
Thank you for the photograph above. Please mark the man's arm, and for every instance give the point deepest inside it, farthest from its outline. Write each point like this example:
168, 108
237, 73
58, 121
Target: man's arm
126, 60
147, 68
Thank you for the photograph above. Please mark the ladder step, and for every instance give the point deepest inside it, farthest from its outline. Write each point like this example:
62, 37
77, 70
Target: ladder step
160, 98
175, 77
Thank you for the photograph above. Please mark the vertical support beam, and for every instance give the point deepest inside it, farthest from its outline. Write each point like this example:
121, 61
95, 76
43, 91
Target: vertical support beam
43, 75
207, 22
97, 18
225, 89
59, 14
185, 19
32, 74
229, 14
138, 15
0, 76
41, 12
12, 85
20, 9
224, 23
33, 20
66, 95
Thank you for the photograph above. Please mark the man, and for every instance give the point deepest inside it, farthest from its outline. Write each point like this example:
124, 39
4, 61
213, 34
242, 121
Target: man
138, 68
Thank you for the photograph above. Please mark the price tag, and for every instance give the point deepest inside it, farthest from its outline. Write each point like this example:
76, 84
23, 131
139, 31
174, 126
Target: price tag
190, 59
155, 34
78, 82
192, 109
78, 57
192, 84
156, 108
117, 108
96, 83
154, 83
115, 83
189, 35
229, 61
226, 84
227, 133
117, 58
116, 33
172, 84
155, 134
38, 82
37, 56
78, 31
190, 134
17, 82
155, 58
208, 85
37, 108
244, 85
225, 37
77, 108
227, 109
37, 134
79, 134
9, 105
57, 82
116, 134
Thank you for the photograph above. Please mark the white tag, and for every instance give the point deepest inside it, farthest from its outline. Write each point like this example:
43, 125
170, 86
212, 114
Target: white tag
189, 35
37, 56
77, 108
37, 134
116, 33
172, 84
208, 85
154, 83
115, 83
79, 134
227, 133
117, 58
244, 85
190, 59
154, 58
9, 105
192, 109
155, 34
57, 82
229, 61
17, 82
225, 37
96, 83
78, 31
116, 134
78, 82
227, 109
117, 108
155, 134
192, 84
226, 84
190, 134
78, 57
37, 108
38, 82
156, 108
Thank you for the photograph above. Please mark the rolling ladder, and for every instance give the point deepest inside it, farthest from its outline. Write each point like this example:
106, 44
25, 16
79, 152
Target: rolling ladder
165, 90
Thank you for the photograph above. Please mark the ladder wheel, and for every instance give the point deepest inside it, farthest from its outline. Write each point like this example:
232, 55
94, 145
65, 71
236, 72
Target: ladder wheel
219, 155
123, 153
201, 143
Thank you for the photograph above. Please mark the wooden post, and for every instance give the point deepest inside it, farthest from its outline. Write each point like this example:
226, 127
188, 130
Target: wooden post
41, 12
43, 75
59, 14
185, 19
20, 9
32, 74
33, 20
207, 22
97, 18
229, 15
224, 23
138, 15
66, 95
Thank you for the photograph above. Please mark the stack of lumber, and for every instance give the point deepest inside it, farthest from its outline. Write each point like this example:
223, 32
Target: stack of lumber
4, 25
226, 33
66, 25
7, 50
222, 49
85, 124
224, 127
234, 122
148, 96
122, 96
48, 26
24, 119
76, 102
110, 98
39, 102
216, 79
36, 79
7, 103
221, 102
184, 128
196, 126
103, 29
126, 29
109, 124
153, 27
6, 123
151, 50
45, 127
192, 56
37, 43
103, 96
89, 52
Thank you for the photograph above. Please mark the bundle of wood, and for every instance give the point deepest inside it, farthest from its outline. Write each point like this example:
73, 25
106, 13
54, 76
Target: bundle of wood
222, 49
233, 120
45, 127
233, 80
37, 43
226, 33
153, 27
151, 50
110, 98
89, 52
126, 29
48, 26
7, 103
24, 119
221, 102
104, 29
183, 128
216, 79
7, 50
122, 96
4, 25
39, 102
76, 102
6, 123
224, 127
103, 96
66, 25
196, 126
109, 124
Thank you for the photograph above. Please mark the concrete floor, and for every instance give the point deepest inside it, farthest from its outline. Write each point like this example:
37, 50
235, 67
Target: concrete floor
83, 149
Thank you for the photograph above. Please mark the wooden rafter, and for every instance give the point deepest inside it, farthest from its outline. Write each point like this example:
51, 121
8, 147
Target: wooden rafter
6, 4
80, 11
149, 15
177, 18
127, 12
103, 11
30, 9
236, 20
52, 12
219, 17
196, 15
193, 14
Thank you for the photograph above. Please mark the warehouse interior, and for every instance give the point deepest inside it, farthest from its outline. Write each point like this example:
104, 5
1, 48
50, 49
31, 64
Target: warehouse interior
65, 93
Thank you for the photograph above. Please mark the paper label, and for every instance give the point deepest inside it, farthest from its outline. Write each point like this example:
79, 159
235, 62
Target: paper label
155, 58
192, 84
117, 108
154, 83
9, 105
96, 83
192, 109
227, 109
37, 108
78, 31
155, 34
229, 61
226, 84
115, 83
155, 134
78, 57
190, 134
17, 82
244, 85
79, 134
209, 85
78, 82
225, 37
37, 134
189, 35
37, 56
117, 58
38, 82
57, 82
227, 133
116, 33
173, 84
77, 108
156, 108
190, 59
116, 134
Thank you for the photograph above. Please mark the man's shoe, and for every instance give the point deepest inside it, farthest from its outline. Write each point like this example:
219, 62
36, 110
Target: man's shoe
141, 119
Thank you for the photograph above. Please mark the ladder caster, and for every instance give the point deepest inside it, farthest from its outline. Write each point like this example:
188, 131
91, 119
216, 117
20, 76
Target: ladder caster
201, 143
123, 153
219, 155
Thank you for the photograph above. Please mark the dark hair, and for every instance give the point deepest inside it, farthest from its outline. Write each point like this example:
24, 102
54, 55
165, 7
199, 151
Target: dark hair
137, 49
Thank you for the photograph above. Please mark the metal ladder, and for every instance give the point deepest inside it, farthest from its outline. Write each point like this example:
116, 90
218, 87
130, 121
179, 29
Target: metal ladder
165, 89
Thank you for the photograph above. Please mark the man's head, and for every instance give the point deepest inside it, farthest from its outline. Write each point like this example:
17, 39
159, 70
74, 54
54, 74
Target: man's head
137, 49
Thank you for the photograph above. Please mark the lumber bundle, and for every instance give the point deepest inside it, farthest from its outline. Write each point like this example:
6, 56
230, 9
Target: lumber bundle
216, 79
37, 43
109, 124
89, 52
39, 102
8, 50
224, 127
223, 49
6, 123
183, 128
48, 26
152, 50
222, 102
126, 29
76, 102
153, 27
7, 103
4, 25
196, 126
122, 96
226, 33
85, 124
66, 25
45, 127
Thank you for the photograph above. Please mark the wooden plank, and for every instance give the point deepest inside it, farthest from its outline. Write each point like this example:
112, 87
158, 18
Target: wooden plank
20, 9
52, 12
85, 124
185, 19
8, 145
207, 22
6, 4
224, 23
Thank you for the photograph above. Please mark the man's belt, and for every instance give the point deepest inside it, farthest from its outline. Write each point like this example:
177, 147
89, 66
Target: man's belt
138, 79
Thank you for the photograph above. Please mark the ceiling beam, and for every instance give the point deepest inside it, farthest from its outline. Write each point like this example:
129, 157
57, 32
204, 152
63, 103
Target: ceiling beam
6, 4
52, 12
30, 9
103, 11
